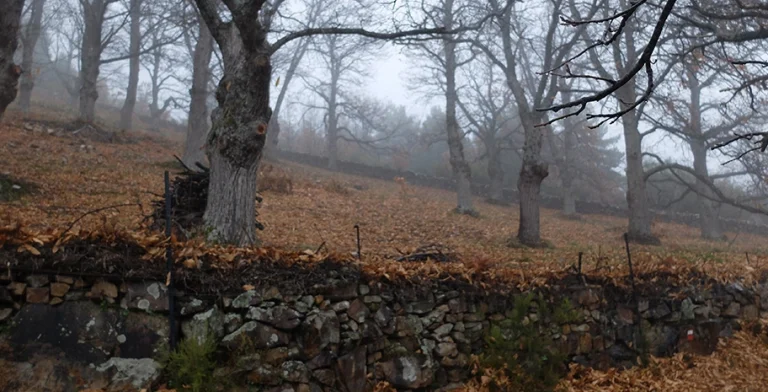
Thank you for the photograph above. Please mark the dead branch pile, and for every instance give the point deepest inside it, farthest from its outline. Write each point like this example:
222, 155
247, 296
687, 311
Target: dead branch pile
434, 252
189, 195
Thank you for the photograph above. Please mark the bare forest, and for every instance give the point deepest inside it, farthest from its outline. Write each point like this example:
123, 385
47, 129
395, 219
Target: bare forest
491, 152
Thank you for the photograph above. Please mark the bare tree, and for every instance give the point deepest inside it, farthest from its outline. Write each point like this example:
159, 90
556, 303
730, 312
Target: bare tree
68, 40
296, 57
489, 109
29, 40
161, 63
126, 113
345, 60
95, 14
10, 21
516, 56
197, 120
237, 137
161, 25
443, 59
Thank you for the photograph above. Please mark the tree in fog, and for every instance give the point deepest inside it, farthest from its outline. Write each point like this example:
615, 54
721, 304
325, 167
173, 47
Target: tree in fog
695, 111
442, 59
95, 14
524, 45
197, 119
31, 34
491, 117
294, 58
723, 26
10, 21
67, 37
153, 28
584, 157
343, 62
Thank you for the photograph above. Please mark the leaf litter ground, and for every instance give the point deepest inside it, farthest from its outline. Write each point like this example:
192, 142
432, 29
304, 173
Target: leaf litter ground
73, 176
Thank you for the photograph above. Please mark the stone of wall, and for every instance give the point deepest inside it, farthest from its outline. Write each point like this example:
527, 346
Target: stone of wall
340, 335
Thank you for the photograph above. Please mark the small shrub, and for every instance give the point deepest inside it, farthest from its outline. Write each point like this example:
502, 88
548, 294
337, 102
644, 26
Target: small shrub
519, 349
190, 367
13, 189
334, 186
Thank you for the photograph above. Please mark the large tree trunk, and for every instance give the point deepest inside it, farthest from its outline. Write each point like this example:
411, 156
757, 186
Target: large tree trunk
640, 216
10, 20
126, 114
90, 58
532, 174
461, 171
31, 35
495, 172
197, 121
236, 140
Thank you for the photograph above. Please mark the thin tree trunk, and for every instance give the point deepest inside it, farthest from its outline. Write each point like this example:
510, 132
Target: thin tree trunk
332, 133
90, 58
709, 221
567, 172
461, 171
31, 35
495, 172
197, 121
10, 20
126, 114
273, 134
640, 216
237, 138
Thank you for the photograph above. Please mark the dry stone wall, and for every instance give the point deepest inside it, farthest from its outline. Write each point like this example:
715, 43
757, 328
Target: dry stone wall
340, 337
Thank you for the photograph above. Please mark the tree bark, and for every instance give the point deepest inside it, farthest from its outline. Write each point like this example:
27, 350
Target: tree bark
31, 35
90, 57
532, 173
461, 171
495, 171
237, 137
197, 119
126, 114
10, 20
640, 216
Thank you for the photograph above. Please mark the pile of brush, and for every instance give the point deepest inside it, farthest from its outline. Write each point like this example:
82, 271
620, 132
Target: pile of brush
189, 195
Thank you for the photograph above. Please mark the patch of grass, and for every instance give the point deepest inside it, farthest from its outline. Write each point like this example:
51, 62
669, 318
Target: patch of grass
12, 189
191, 366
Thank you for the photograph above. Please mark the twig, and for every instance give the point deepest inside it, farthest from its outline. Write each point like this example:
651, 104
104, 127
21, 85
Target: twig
71, 225
320, 247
